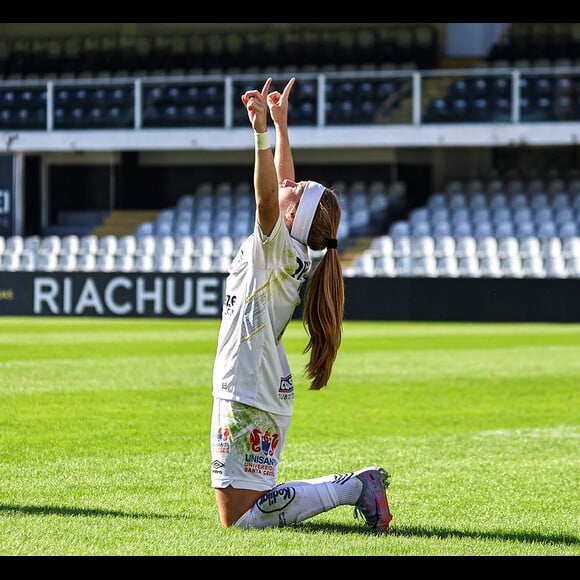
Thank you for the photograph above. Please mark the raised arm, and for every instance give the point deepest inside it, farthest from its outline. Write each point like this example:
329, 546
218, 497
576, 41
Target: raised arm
278, 105
265, 178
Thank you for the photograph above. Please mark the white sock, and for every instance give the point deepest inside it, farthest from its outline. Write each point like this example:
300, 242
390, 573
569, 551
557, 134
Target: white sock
295, 501
346, 486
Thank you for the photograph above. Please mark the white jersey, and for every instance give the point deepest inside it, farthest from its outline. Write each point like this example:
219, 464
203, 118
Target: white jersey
261, 295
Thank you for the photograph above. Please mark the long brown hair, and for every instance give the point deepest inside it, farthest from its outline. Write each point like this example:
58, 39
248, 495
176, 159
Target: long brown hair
324, 295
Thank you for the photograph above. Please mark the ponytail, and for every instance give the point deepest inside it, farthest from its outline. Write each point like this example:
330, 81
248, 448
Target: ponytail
324, 296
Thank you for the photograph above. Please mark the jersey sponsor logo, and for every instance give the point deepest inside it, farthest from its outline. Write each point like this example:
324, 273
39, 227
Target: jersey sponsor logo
302, 268
276, 500
286, 388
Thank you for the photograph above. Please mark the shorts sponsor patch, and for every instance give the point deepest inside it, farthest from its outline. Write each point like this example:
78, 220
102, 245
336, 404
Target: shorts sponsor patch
220, 442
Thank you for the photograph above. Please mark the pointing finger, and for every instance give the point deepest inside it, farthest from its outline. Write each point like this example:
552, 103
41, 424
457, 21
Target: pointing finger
288, 88
266, 87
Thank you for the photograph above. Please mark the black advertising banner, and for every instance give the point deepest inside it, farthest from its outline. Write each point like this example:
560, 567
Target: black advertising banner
200, 295
111, 294
6, 195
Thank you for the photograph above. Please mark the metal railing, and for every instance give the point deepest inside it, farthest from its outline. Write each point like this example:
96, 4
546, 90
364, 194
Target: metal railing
323, 100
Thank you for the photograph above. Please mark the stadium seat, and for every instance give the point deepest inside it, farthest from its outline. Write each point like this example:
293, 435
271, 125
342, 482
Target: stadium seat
105, 263
364, 264
165, 245
88, 244
525, 229
486, 247
573, 266
508, 247
28, 261
551, 246
202, 263
529, 247
144, 263
571, 247
184, 246
483, 229
424, 266
468, 266
86, 262
221, 263
403, 265
555, 267
441, 228
14, 244
402, 246
385, 265
47, 262
568, 230
125, 262
223, 246
127, 245
145, 229
50, 245
182, 263
462, 229
382, 246
466, 247
65, 262
422, 246
70, 244
204, 246
511, 266
145, 245
400, 228
162, 262
10, 262
447, 266
444, 246
533, 267
107, 245
490, 267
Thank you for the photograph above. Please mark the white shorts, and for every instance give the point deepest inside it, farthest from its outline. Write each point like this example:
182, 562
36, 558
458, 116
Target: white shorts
246, 444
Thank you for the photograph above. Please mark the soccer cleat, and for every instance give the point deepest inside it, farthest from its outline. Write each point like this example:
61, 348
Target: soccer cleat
372, 503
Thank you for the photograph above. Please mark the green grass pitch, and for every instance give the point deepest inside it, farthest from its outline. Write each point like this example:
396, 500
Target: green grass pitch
104, 439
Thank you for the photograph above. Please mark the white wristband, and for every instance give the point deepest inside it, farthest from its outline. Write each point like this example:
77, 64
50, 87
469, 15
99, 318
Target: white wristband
262, 141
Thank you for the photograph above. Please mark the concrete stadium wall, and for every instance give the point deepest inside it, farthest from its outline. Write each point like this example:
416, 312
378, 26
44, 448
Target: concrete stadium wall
200, 296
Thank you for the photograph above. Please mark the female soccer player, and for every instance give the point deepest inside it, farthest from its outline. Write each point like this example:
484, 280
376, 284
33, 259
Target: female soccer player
253, 390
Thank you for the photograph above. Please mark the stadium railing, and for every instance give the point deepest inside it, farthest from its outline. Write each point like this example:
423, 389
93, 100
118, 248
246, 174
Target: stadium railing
441, 100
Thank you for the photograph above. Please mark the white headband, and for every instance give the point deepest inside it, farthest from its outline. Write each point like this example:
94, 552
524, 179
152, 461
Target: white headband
306, 210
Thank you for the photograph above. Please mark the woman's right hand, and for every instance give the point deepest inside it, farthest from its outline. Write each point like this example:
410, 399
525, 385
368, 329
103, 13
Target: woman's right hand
278, 104
257, 107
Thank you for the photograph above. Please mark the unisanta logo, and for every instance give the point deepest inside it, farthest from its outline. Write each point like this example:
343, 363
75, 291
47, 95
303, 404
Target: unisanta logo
262, 460
263, 442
